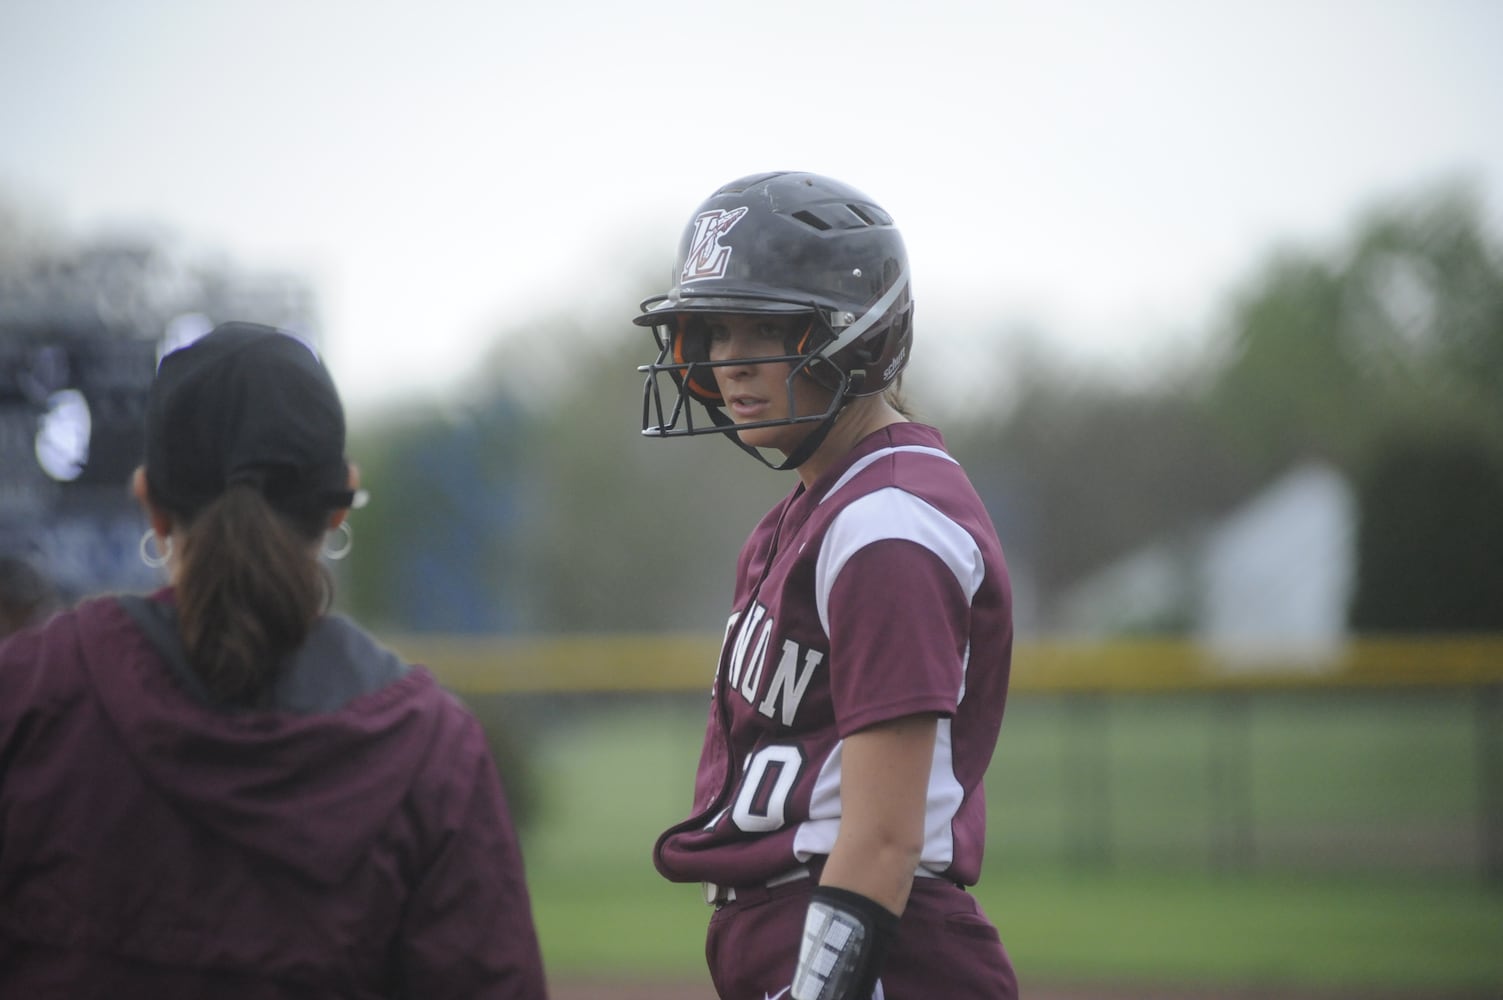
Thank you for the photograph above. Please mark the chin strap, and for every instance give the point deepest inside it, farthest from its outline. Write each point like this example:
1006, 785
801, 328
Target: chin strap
797, 457
846, 936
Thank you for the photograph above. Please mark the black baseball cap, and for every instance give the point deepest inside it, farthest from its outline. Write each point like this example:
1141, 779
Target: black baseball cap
250, 404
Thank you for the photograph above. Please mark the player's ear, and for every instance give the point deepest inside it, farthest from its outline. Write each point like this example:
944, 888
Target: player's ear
160, 520
336, 517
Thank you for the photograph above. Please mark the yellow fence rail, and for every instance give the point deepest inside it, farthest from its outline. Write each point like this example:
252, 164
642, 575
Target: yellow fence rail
1093, 671
669, 663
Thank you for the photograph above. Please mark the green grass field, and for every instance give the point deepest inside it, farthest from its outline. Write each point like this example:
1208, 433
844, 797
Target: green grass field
1356, 872
1325, 782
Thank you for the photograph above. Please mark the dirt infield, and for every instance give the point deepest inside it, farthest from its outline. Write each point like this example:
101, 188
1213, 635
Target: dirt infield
598, 990
629, 991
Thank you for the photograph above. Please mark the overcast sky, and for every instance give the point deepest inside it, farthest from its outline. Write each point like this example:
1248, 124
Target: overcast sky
442, 170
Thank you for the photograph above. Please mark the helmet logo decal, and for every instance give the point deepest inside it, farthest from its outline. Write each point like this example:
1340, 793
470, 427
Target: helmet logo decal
706, 257
895, 365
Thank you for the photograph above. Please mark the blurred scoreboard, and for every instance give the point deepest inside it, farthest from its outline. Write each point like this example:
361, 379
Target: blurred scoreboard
72, 403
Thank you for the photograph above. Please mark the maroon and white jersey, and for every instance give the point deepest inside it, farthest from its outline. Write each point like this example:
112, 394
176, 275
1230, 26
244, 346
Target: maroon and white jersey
880, 593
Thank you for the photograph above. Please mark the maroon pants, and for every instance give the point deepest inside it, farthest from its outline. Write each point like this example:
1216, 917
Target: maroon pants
945, 946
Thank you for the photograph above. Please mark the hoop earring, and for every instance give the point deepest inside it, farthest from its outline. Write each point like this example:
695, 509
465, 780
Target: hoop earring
341, 546
158, 558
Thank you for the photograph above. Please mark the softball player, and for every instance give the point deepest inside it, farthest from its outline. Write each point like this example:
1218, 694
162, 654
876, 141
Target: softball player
222, 789
838, 807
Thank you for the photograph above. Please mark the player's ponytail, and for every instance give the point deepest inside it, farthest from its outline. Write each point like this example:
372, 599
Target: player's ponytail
245, 456
250, 587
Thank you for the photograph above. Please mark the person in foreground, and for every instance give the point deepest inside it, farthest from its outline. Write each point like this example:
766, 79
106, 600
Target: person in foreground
27, 597
838, 808
222, 789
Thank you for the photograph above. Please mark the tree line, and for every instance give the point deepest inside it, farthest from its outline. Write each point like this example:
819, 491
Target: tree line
535, 505
528, 501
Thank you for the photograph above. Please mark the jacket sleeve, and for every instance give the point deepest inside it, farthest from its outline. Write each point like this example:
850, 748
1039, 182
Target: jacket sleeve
468, 929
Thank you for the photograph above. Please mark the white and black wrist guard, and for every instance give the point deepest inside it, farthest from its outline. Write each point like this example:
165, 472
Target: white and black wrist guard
845, 939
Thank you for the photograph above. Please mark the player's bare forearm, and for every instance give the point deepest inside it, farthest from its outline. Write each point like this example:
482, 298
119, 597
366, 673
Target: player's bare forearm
885, 777
881, 873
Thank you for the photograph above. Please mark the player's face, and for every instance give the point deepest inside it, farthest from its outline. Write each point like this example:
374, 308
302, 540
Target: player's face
759, 391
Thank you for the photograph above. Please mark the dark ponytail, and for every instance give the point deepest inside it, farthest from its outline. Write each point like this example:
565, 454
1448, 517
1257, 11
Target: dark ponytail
250, 587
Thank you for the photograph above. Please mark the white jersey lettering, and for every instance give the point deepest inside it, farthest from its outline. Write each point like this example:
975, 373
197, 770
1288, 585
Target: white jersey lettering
790, 682
753, 674
737, 661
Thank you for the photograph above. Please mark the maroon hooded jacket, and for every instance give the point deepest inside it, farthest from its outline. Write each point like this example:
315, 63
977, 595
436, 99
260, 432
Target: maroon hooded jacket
353, 841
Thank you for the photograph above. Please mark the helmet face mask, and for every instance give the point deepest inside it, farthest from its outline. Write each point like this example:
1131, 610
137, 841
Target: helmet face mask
782, 244
684, 359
